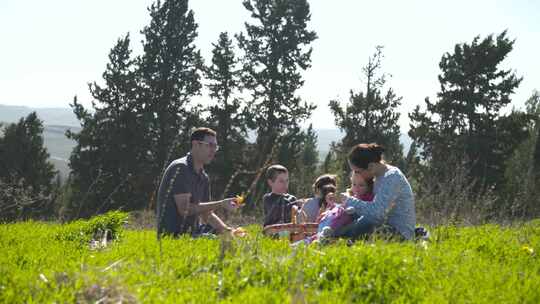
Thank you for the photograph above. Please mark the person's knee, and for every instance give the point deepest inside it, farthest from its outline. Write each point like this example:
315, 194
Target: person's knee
363, 226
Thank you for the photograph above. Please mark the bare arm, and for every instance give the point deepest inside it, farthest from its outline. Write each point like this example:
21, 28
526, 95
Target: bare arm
217, 223
185, 208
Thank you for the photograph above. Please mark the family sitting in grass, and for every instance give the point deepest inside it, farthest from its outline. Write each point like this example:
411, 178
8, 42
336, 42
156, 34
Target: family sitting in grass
379, 199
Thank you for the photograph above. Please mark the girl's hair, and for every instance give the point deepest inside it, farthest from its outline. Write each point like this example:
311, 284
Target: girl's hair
324, 191
362, 155
321, 181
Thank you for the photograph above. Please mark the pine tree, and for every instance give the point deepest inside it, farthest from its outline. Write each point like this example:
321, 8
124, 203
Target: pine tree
276, 49
109, 163
170, 71
226, 115
412, 160
26, 175
22, 155
521, 184
371, 115
466, 120
306, 167
533, 108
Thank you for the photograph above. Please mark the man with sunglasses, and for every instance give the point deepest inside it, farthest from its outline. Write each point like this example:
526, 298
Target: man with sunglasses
184, 191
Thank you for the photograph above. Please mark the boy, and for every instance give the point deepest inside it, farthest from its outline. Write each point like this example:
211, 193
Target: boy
278, 203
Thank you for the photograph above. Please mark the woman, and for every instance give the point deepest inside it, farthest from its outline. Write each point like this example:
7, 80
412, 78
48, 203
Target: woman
393, 206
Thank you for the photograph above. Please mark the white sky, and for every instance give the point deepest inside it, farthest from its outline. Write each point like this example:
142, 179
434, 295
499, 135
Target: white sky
51, 49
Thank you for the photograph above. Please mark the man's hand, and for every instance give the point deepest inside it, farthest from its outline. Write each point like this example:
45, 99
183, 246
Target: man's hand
229, 204
238, 232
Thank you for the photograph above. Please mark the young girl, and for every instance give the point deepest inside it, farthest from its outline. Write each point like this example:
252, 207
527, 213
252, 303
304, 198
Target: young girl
361, 188
311, 209
336, 215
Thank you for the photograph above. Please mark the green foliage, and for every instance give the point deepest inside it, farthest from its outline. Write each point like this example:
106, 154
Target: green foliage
23, 156
466, 119
143, 115
484, 264
82, 231
370, 116
276, 48
26, 175
298, 152
18, 202
170, 70
522, 184
533, 108
109, 161
227, 116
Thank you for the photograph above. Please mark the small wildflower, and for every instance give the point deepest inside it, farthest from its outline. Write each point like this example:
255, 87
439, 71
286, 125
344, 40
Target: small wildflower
527, 249
43, 278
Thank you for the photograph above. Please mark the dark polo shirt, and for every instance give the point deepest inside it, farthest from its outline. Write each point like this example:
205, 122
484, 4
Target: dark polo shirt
277, 208
180, 177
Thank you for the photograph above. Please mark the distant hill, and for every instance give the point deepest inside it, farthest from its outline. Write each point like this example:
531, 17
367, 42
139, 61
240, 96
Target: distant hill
49, 116
327, 136
57, 120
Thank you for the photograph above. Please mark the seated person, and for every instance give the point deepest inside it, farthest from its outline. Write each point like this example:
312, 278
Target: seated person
337, 215
392, 211
311, 209
278, 203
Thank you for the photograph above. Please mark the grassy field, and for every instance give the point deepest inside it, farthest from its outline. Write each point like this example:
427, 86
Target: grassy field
45, 263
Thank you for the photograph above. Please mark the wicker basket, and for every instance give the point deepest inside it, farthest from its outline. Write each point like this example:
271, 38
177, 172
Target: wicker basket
295, 231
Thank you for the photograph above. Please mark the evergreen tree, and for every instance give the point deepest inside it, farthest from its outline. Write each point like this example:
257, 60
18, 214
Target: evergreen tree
466, 119
26, 175
23, 156
412, 160
276, 49
109, 164
226, 114
370, 116
170, 71
143, 114
521, 196
307, 159
327, 163
533, 108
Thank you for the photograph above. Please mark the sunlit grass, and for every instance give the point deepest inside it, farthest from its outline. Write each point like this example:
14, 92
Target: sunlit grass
483, 264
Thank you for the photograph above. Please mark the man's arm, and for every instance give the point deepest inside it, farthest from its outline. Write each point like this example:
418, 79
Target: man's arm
185, 208
217, 223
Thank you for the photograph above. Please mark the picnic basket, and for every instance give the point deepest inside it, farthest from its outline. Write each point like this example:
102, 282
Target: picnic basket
295, 231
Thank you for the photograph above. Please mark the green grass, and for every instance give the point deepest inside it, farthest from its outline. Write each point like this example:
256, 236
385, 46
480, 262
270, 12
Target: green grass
485, 264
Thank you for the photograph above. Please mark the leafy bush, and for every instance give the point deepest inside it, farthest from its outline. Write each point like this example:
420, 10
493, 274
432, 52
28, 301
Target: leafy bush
84, 231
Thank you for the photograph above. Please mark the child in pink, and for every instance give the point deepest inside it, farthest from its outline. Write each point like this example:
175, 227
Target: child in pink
335, 215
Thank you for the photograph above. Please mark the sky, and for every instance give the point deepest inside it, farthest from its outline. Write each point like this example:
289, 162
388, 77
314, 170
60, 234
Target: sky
51, 49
